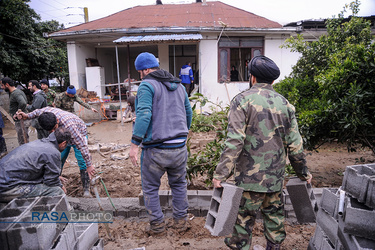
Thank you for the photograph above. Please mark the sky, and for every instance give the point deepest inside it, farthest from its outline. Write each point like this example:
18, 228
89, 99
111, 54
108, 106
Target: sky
70, 12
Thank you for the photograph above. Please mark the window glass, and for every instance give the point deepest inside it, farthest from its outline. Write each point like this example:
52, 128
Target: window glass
223, 65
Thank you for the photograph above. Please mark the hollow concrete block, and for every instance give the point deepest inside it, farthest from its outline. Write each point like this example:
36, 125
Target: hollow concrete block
87, 235
328, 224
37, 235
303, 200
359, 219
349, 241
12, 212
356, 181
223, 211
329, 201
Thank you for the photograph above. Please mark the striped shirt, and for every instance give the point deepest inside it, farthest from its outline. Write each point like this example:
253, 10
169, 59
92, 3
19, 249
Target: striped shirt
74, 125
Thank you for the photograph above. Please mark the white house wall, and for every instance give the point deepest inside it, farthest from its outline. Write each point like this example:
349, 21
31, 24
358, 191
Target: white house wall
283, 57
218, 92
77, 55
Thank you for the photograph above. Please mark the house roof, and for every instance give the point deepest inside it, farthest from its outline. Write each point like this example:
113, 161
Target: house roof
194, 15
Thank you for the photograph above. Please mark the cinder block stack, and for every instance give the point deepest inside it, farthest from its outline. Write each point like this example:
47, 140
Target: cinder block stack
223, 210
346, 216
18, 231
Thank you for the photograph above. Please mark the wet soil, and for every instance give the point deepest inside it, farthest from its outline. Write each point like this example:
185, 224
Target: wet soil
109, 142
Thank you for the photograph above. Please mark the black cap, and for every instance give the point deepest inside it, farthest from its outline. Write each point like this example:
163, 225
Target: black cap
44, 81
264, 68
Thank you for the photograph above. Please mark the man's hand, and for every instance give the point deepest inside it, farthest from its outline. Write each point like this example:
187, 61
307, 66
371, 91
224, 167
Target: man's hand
94, 110
64, 189
91, 171
309, 180
20, 115
133, 154
63, 180
217, 183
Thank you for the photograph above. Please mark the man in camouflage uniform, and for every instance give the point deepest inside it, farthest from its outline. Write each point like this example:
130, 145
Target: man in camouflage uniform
65, 100
262, 130
50, 93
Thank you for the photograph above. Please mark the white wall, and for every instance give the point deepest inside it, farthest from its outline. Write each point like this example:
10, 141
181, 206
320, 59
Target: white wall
208, 56
77, 55
283, 57
163, 53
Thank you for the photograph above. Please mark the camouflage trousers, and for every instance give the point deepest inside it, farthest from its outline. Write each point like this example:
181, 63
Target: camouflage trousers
272, 209
29, 191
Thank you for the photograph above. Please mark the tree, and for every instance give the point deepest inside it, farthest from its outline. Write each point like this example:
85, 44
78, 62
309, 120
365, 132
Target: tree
332, 85
25, 53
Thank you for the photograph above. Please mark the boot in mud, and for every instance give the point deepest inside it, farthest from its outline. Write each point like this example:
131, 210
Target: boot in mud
85, 179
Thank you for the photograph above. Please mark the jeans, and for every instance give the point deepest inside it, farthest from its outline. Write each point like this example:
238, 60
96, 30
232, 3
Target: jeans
64, 155
154, 163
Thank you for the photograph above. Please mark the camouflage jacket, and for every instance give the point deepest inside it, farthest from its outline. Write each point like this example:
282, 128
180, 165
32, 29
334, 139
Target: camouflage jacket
262, 130
64, 102
51, 94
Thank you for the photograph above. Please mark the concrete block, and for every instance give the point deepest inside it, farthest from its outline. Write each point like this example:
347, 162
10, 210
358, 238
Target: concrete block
99, 245
328, 224
349, 241
87, 235
37, 235
61, 243
12, 212
204, 198
223, 210
359, 219
356, 181
163, 197
329, 201
193, 198
303, 200
318, 237
370, 198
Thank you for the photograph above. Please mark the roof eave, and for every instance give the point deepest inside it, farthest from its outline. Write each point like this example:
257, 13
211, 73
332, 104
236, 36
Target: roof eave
65, 35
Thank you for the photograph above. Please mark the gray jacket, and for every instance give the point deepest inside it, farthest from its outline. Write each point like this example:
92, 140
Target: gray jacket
35, 162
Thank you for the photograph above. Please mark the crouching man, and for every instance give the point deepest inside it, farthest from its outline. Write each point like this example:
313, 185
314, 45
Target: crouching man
33, 169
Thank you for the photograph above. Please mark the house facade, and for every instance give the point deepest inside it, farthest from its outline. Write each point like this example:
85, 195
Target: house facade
214, 37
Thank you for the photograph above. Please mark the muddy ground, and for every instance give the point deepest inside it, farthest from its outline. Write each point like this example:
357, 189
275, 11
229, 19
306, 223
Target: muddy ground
108, 143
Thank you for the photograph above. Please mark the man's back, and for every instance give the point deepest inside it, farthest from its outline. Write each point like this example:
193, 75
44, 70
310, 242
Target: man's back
17, 100
31, 163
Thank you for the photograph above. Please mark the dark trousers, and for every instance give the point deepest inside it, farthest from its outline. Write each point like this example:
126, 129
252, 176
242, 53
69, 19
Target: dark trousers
188, 88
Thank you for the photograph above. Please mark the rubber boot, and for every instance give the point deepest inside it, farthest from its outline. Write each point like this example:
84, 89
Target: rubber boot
85, 179
272, 246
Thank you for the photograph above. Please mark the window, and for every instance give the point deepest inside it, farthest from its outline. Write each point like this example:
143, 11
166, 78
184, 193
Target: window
234, 55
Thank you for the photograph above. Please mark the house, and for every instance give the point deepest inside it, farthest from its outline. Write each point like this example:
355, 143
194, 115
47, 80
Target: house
213, 36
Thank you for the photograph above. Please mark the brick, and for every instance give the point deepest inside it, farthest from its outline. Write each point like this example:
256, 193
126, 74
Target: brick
349, 241
87, 235
328, 224
359, 219
223, 211
303, 200
356, 181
